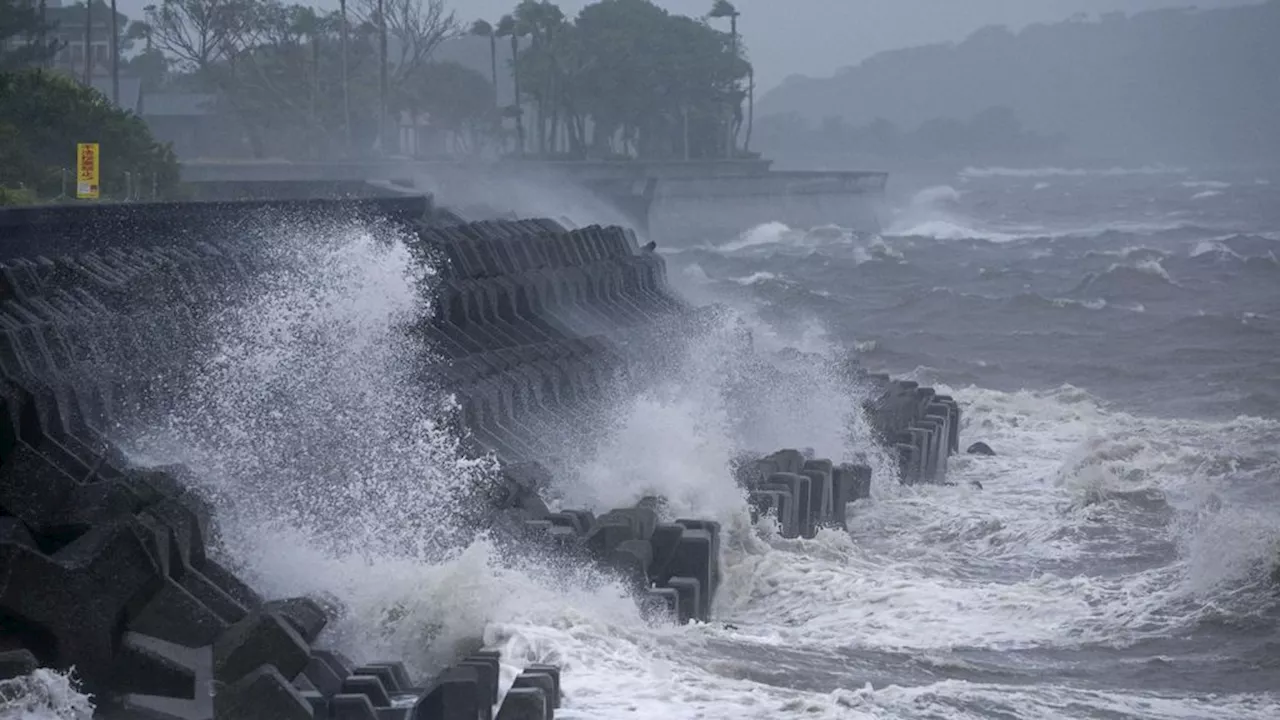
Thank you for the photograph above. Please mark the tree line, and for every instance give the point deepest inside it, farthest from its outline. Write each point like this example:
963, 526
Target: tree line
626, 78
43, 115
621, 79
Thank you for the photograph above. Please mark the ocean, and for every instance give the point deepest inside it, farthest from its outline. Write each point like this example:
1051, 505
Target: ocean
1112, 335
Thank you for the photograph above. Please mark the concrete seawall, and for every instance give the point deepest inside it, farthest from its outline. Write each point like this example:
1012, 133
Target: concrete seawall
111, 568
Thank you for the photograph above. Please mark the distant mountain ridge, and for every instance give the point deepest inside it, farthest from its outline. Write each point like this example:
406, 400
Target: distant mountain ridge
1161, 86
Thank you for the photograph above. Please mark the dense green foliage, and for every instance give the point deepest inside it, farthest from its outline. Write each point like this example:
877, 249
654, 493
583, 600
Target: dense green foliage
24, 38
623, 78
627, 77
43, 115
277, 68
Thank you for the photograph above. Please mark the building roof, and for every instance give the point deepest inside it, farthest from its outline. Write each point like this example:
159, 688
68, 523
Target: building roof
173, 104
72, 15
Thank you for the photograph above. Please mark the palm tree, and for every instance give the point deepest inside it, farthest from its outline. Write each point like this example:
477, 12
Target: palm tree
115, 55
723, 9
346, 82
507, 27
383, 139
482, 28
88, 42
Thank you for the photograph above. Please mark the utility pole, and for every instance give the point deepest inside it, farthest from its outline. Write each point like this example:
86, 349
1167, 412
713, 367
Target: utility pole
46, 61
88, 42
115, 57
346, 90
731, 139
515, 79
383, 140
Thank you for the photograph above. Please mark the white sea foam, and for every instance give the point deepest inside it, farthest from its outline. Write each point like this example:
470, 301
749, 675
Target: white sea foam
934, 213
1046, 172
755, 278
44, 695
922, 570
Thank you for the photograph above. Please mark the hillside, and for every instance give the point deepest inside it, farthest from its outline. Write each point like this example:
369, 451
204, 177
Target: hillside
1193, 86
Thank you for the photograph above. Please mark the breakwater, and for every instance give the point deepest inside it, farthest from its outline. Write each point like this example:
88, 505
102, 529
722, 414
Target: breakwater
112, 567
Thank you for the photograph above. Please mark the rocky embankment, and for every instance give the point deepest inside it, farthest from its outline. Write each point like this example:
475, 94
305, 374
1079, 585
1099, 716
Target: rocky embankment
114, 569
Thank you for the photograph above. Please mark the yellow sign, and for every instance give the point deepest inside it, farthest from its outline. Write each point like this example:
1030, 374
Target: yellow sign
87, 171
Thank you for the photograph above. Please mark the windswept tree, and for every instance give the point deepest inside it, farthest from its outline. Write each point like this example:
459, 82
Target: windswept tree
24, 35
43, 116
197, 34
415, 28
629, 78
482, 28
509, 28
456, 100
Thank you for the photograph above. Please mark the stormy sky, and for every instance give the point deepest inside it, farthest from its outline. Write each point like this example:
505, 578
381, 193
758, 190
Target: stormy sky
816, 37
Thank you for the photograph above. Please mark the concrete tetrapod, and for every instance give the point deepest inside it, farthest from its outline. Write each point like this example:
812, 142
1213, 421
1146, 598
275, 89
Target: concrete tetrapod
533, 325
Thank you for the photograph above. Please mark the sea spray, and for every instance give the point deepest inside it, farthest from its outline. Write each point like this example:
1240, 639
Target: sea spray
44, 695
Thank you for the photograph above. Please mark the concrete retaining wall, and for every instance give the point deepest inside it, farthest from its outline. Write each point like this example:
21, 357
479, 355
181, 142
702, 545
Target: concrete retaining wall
107, 566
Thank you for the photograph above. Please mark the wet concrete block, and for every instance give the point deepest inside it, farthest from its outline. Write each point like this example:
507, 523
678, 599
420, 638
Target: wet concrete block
789, 461
17, 663
849, 483
554, 672
608, 532
305, 615
543, 682
934, 447
455, 695
570, 520
262, 638
763, 502
319, 703
785, 505
302, 683
922, 441
175, 615
953, 415
488, 672
160, 679
801, 493
694, 557
907, 463
820, 498
385, 674
665, 540
261, 694
401, 682
352, 707
323, 677
528, 703
690, 597
632, 558
14, 532
712, 528
643, 520
368, 685
942, 444
77, 595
